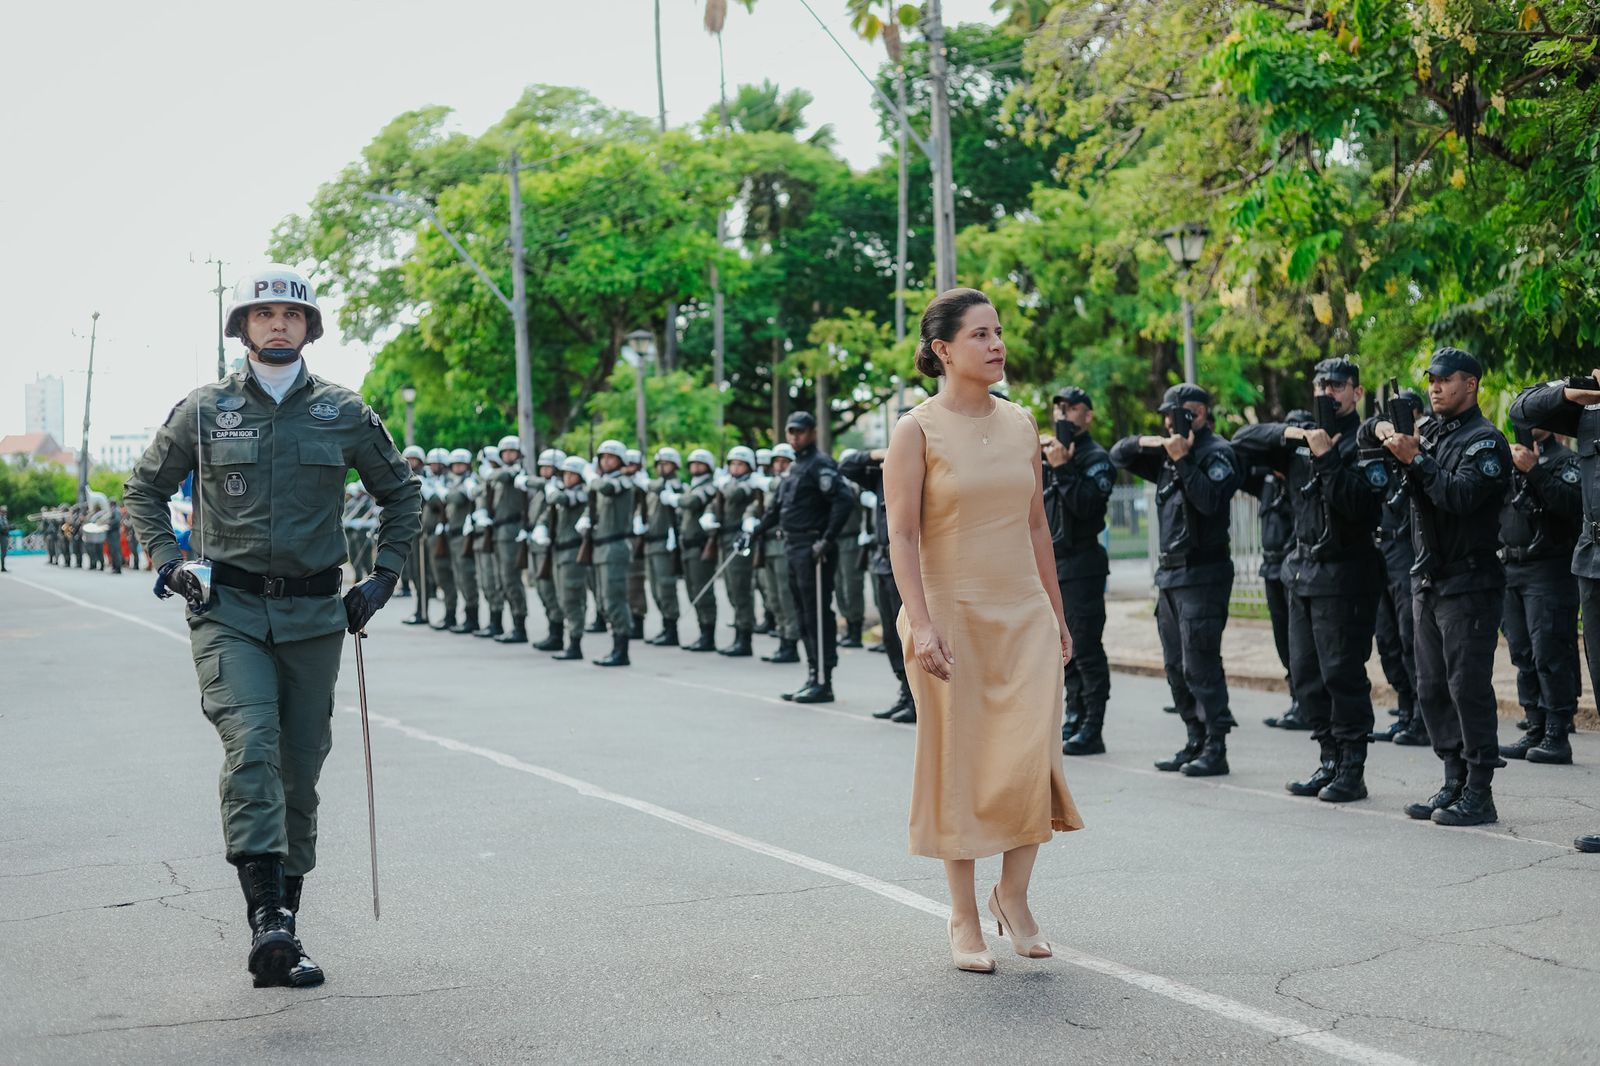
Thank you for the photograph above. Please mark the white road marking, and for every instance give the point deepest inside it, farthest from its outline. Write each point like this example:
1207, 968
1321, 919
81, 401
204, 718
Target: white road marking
1274, 1025
135, 619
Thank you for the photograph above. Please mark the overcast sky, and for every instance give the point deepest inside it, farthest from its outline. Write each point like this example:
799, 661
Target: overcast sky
137, 136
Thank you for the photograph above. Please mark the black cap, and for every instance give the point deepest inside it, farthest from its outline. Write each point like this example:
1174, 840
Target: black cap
1447, 361
801, 420
1302, 418
1179, 395
1073, 395
1337, 371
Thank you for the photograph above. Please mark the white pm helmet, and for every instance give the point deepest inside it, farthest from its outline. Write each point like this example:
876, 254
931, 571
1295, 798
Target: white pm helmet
461, 455
783, 451
550, 457
669, 455
613, 447
741, 454
634, 457
439, 455
509, 444
763, 456
414, 452
700, 455
274, 283
574, 464
490, 455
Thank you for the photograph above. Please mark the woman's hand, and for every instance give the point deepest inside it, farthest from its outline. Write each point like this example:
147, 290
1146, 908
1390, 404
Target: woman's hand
931, 651
1066, 641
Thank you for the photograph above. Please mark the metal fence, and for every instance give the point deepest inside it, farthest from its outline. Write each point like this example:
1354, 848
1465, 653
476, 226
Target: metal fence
1132, 533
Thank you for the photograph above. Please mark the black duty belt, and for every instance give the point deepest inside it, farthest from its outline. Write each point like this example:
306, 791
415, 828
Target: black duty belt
654, 539
612, 539
1594, 531
564, 545
1532, 555
1173, 560
1466, 565
277, 588
498, 522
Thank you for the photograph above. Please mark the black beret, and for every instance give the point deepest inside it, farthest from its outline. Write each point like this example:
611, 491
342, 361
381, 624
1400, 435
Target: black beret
1302, 418
1179, 395
1447, 361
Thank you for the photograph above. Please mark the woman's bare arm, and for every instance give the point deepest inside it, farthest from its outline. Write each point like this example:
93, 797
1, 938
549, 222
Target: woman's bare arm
904, 469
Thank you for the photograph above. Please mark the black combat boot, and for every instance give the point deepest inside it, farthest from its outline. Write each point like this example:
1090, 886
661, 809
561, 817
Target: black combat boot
899, 704
492, 629
1415, 733
273, 949
907, 715
1589, 844
788, 652
598, 625
1455, 779
636, 632
1475, 807
1071, 721
668, 637
469, 622
551, 642
852, 635
1322, 776
1291, 719
574, 648
1555, 748
1351, 784
768, 626
1197, 740
1529, 740
1212, 760
419, 617
1087, 739
707, 641
740, 648
820, 692
305, 974
1402, 722
517, 634
619, 652
448, 622
810, 683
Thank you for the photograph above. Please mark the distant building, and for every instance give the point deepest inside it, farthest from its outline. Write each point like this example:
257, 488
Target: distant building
46, 407
37, 449
123, 450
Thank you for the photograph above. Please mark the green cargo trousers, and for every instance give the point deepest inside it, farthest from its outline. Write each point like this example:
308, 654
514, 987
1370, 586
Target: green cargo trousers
848, 582
551, 599
638, 577
441, 574
465, 568
663, 585
612, 562
738, 580
696, 576
505, 551
272, 705
490, 580
775, 578
572, 579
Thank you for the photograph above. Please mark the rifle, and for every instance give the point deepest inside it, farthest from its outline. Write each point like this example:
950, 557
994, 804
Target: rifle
641, 505
708, 554
758, 552
586, 549
522, 554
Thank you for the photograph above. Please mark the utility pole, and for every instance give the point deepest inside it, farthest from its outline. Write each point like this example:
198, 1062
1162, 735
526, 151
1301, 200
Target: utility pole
944, 218
222, 358
718, 332
900, 232
669, 347
88, 388
519, 319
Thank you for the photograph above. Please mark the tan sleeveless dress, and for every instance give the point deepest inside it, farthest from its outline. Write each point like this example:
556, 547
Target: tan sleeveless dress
988, 772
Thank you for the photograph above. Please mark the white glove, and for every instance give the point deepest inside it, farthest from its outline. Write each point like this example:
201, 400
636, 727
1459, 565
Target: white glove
721, 478
759, 482
481, 516
708, 522
749, 524
551, 489
583, 524
438, 530
864, 538
672, 540
521, 482
869, 500
639, 528
522, 535
541, 536
467, 526
669, 498
641, 479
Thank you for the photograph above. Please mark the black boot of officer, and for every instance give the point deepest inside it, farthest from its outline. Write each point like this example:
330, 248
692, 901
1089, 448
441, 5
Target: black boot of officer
598, 625
1414, 734
668, 637
1213, 758
707, 640
1455, 779
273, 949
852, 635
1290, 719
1554, 748
900, 704
1590, 844
1475, 806
493, 628
517, 634
1189, 752
469, 622
553, 641
788, 652
619, 651
1322, 777
1087, 738
574, 647
740, 648
1351, 783
810, 683
1529, 740
305, 974
447, 622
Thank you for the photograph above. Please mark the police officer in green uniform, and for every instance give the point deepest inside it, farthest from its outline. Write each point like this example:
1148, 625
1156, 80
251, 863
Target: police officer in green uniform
411, 578
113, 537
272, 444
491, 582
566, 504
5, 536
638, 577
767, 615
847, 579
536, 488
738, 494
612, 493
508, 508
775, 565
438, 576
694, 505
459, 493
661, 543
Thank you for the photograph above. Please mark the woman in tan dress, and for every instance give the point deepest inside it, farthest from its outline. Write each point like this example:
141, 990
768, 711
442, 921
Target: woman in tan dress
983, 627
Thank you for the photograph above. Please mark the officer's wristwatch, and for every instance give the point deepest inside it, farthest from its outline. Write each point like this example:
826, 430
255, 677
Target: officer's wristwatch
1416, 460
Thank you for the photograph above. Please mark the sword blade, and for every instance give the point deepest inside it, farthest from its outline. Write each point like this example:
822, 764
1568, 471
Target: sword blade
366, 744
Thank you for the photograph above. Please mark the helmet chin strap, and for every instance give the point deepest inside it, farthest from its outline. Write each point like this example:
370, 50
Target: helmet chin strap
274, 356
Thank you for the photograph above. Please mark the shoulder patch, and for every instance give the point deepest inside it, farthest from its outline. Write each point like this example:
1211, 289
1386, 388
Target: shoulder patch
324, 412
229, 403
1219, 470
1489, 464
1378, 474
1569, 474
825, 480
373, 415
1479, 445
1098, 469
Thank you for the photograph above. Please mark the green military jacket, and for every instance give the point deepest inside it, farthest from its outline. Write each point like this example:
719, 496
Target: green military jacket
769, 497
852, 522
659, 519
508, 503
562, 517
273, 493
459, 493
613, 516
696, 498
432, 502
537, 503
738, 495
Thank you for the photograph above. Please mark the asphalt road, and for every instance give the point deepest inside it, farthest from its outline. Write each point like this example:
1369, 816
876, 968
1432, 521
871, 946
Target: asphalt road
669, 864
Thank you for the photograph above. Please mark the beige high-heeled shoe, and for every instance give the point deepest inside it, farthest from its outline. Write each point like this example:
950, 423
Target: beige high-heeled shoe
971, 961
1029, 947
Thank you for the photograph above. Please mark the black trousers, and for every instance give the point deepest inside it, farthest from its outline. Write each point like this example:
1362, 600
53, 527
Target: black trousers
1190, 621
1541, 628
1330, 640
1395, 634
889, 605
1456, 638
803, 583
1088, 675
1278, 611
1589, 601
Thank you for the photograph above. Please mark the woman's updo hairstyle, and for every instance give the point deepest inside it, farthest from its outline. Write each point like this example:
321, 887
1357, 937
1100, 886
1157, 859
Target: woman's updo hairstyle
941, 322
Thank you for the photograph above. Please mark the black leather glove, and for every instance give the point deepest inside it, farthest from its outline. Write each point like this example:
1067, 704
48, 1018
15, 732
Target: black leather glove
171, 579
821, 548
371, 593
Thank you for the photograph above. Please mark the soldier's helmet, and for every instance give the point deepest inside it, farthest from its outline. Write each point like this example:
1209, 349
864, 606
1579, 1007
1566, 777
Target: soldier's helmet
490, 455
414, 452
460, 455
700, 455
763, 456
439, 455
613, 447
550, 457
741, 454
509, 444
573, 464
633, 458
274, 283
783, 451
669, 455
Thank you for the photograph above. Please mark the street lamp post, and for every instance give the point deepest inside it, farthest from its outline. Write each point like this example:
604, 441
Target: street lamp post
88, 389
1185, 244
409, 395
641, 345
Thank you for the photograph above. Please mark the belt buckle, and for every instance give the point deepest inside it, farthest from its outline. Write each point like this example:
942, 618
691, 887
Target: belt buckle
273, 587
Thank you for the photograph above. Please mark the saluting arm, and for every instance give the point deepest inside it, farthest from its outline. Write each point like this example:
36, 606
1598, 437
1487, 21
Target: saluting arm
1555, 492
1131, 455
1547, 407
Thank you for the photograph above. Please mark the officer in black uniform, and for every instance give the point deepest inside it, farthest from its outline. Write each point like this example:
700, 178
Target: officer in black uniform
1459, 467
1277, 537
1195, 476
1395, 629
811, 509
1539, 529
1332, 573
866, 470
1077, 489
